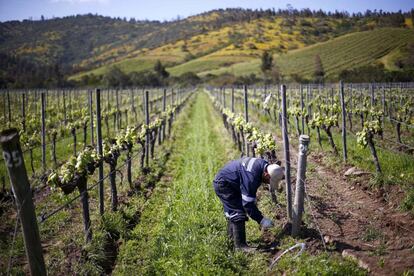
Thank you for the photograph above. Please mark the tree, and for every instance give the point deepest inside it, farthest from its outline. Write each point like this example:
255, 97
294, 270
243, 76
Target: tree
319, 72
160, 70
412, 17
115, 77
267, 62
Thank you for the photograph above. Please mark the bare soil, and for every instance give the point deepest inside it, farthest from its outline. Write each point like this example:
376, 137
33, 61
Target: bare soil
364, 223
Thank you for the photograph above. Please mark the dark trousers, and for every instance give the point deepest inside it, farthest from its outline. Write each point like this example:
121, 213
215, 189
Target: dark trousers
231, 200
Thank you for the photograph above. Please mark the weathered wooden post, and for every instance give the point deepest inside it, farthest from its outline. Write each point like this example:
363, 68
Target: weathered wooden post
83, 191
147, 136
24, 110
90, 102
64, 108
302, 106
344, 146
133, 105
12, 154
100, 151
164, 108
43, 131
300, 185
286, 152
232, 99
372, 95
118, 119
246, 117
3, 93
224, 97
8, 106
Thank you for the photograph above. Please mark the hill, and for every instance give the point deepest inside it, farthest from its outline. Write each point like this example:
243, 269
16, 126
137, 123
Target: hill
345, 52
87, 41
236, 47
236, 42
217, 41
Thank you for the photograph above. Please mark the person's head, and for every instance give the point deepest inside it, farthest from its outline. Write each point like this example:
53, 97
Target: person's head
272, 175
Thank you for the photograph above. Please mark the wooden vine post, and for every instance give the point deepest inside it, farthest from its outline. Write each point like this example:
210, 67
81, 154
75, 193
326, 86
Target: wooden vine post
147, 136
286, 152
90, 102
372, 94
300, 185
118, 119
302, 107
83, 191
112, 160
133, 105
43, 132
224, 97
232, 99
164, 108
64, 107
14, 161
246, 117
24, 111
344, 146
8, 107
100, 151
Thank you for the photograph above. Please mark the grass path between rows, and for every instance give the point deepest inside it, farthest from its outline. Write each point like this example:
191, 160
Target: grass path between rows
182, 228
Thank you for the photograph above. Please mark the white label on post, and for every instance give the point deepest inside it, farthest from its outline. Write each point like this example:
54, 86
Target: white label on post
12, 160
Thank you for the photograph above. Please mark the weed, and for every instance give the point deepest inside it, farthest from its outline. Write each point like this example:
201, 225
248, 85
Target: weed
371, 234
408, 202
381, 262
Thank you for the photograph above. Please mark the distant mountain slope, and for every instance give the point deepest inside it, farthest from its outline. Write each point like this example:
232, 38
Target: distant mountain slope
345, 52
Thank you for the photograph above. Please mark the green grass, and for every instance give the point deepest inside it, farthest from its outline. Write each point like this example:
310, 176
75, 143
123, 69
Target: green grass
206, 63
182, 230
127, 66
345, 52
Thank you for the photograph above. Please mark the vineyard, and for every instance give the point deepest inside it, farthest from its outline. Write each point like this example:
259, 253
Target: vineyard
119, 181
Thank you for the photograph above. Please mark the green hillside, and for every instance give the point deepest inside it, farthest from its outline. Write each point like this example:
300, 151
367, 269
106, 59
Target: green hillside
80, 48
345, 52
236, 42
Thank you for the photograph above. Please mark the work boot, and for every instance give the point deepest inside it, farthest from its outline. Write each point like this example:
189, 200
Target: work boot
229, 230
239, 235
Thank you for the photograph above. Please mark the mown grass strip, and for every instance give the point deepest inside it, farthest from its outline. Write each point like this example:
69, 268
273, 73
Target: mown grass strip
182, 230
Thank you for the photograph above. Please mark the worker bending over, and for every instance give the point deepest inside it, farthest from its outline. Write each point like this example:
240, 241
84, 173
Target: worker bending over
236, 185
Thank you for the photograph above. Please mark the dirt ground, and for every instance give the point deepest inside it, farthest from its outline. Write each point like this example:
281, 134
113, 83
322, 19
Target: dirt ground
355, 220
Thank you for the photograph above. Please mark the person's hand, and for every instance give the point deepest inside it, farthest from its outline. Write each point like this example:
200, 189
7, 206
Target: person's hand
266, 223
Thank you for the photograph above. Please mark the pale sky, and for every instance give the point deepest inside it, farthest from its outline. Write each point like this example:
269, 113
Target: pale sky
169, 9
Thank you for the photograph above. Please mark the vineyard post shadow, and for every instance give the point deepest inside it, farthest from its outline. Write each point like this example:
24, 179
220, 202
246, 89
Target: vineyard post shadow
286, 152
14, 161
300, 184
